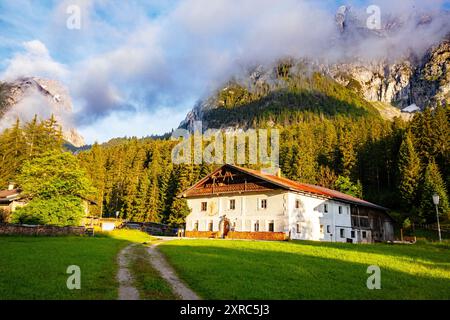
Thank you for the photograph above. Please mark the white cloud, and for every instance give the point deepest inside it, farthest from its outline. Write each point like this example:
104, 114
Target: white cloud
129, 64
35, 60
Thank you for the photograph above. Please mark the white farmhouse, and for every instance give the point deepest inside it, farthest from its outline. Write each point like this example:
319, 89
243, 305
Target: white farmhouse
242, 200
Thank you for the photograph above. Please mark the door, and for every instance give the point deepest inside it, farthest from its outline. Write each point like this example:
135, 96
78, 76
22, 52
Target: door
224, 227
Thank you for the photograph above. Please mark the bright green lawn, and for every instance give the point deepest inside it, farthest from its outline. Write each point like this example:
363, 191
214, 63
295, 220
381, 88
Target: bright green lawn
35, 267
218, 269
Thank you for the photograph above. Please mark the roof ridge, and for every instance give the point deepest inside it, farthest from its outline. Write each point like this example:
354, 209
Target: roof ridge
315, 189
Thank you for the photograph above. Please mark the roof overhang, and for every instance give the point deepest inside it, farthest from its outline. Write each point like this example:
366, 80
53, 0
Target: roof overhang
357, 202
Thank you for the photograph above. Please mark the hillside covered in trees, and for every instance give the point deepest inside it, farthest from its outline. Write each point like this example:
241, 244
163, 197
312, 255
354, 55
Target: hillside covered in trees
330, 136
396, 164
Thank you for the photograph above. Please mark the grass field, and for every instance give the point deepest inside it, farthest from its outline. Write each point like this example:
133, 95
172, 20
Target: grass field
35, 267
218, 269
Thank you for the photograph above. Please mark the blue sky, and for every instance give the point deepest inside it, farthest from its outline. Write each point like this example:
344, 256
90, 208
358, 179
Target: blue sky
136, 67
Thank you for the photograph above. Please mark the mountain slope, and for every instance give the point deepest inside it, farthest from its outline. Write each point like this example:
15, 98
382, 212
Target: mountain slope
342, 82
27, 97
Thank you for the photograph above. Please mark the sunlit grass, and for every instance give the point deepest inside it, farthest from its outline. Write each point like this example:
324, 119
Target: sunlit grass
309, 270
130, 235
35, 267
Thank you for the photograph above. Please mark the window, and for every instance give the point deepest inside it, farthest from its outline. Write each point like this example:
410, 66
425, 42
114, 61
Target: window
210, 226
256, 226
299, 228
321, 228
271, 227
264, 204
353, 234
340, 210
232, 204
328, 229
325, 208
364, 234
297, 204
342, 231
204, 206
196, 226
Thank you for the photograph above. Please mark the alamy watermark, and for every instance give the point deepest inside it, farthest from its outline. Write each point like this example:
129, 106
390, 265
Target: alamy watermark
73, 21
74, 280
373, 22
227, 146
374, 280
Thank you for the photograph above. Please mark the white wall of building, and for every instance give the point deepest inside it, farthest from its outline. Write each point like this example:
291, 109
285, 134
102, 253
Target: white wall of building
307, 222
247, 211
311, 221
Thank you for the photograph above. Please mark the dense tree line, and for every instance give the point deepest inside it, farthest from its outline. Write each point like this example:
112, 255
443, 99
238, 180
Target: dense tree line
329, 136
53, 183
394, 163
137, 178
26, 141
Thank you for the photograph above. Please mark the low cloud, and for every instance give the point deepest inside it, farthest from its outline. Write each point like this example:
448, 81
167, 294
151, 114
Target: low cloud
139, 63
34, 60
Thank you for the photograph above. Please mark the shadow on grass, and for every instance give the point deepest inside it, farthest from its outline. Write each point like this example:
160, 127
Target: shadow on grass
219, 272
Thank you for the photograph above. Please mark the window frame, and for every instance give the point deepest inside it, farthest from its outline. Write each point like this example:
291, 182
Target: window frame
204, 206
271, 223
263, 204
232, 204
256, 226
342, 233
325, 207
211, 226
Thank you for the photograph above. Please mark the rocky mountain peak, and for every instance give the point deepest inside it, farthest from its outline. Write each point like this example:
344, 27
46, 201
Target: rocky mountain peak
29, 96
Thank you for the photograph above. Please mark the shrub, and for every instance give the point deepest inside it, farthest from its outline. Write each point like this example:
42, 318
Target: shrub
4, 215
58, 211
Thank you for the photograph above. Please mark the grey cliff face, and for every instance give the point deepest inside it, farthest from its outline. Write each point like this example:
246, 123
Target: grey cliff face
420, 77
423, 81
29, 96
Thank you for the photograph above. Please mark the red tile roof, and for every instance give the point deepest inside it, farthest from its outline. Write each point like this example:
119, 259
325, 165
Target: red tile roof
4, 194
298, 187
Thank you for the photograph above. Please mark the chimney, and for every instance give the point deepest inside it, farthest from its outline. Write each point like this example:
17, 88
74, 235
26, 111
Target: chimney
273, 171
11, 186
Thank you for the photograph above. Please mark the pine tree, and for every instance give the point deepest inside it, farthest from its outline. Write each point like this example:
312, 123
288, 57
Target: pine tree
409, 172
12, 153
433, 184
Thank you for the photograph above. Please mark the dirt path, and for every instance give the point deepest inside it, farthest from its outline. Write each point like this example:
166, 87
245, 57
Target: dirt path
159, 262
126, 289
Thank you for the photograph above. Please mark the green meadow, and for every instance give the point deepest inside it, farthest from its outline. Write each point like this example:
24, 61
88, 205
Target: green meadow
222, 269
35, 267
